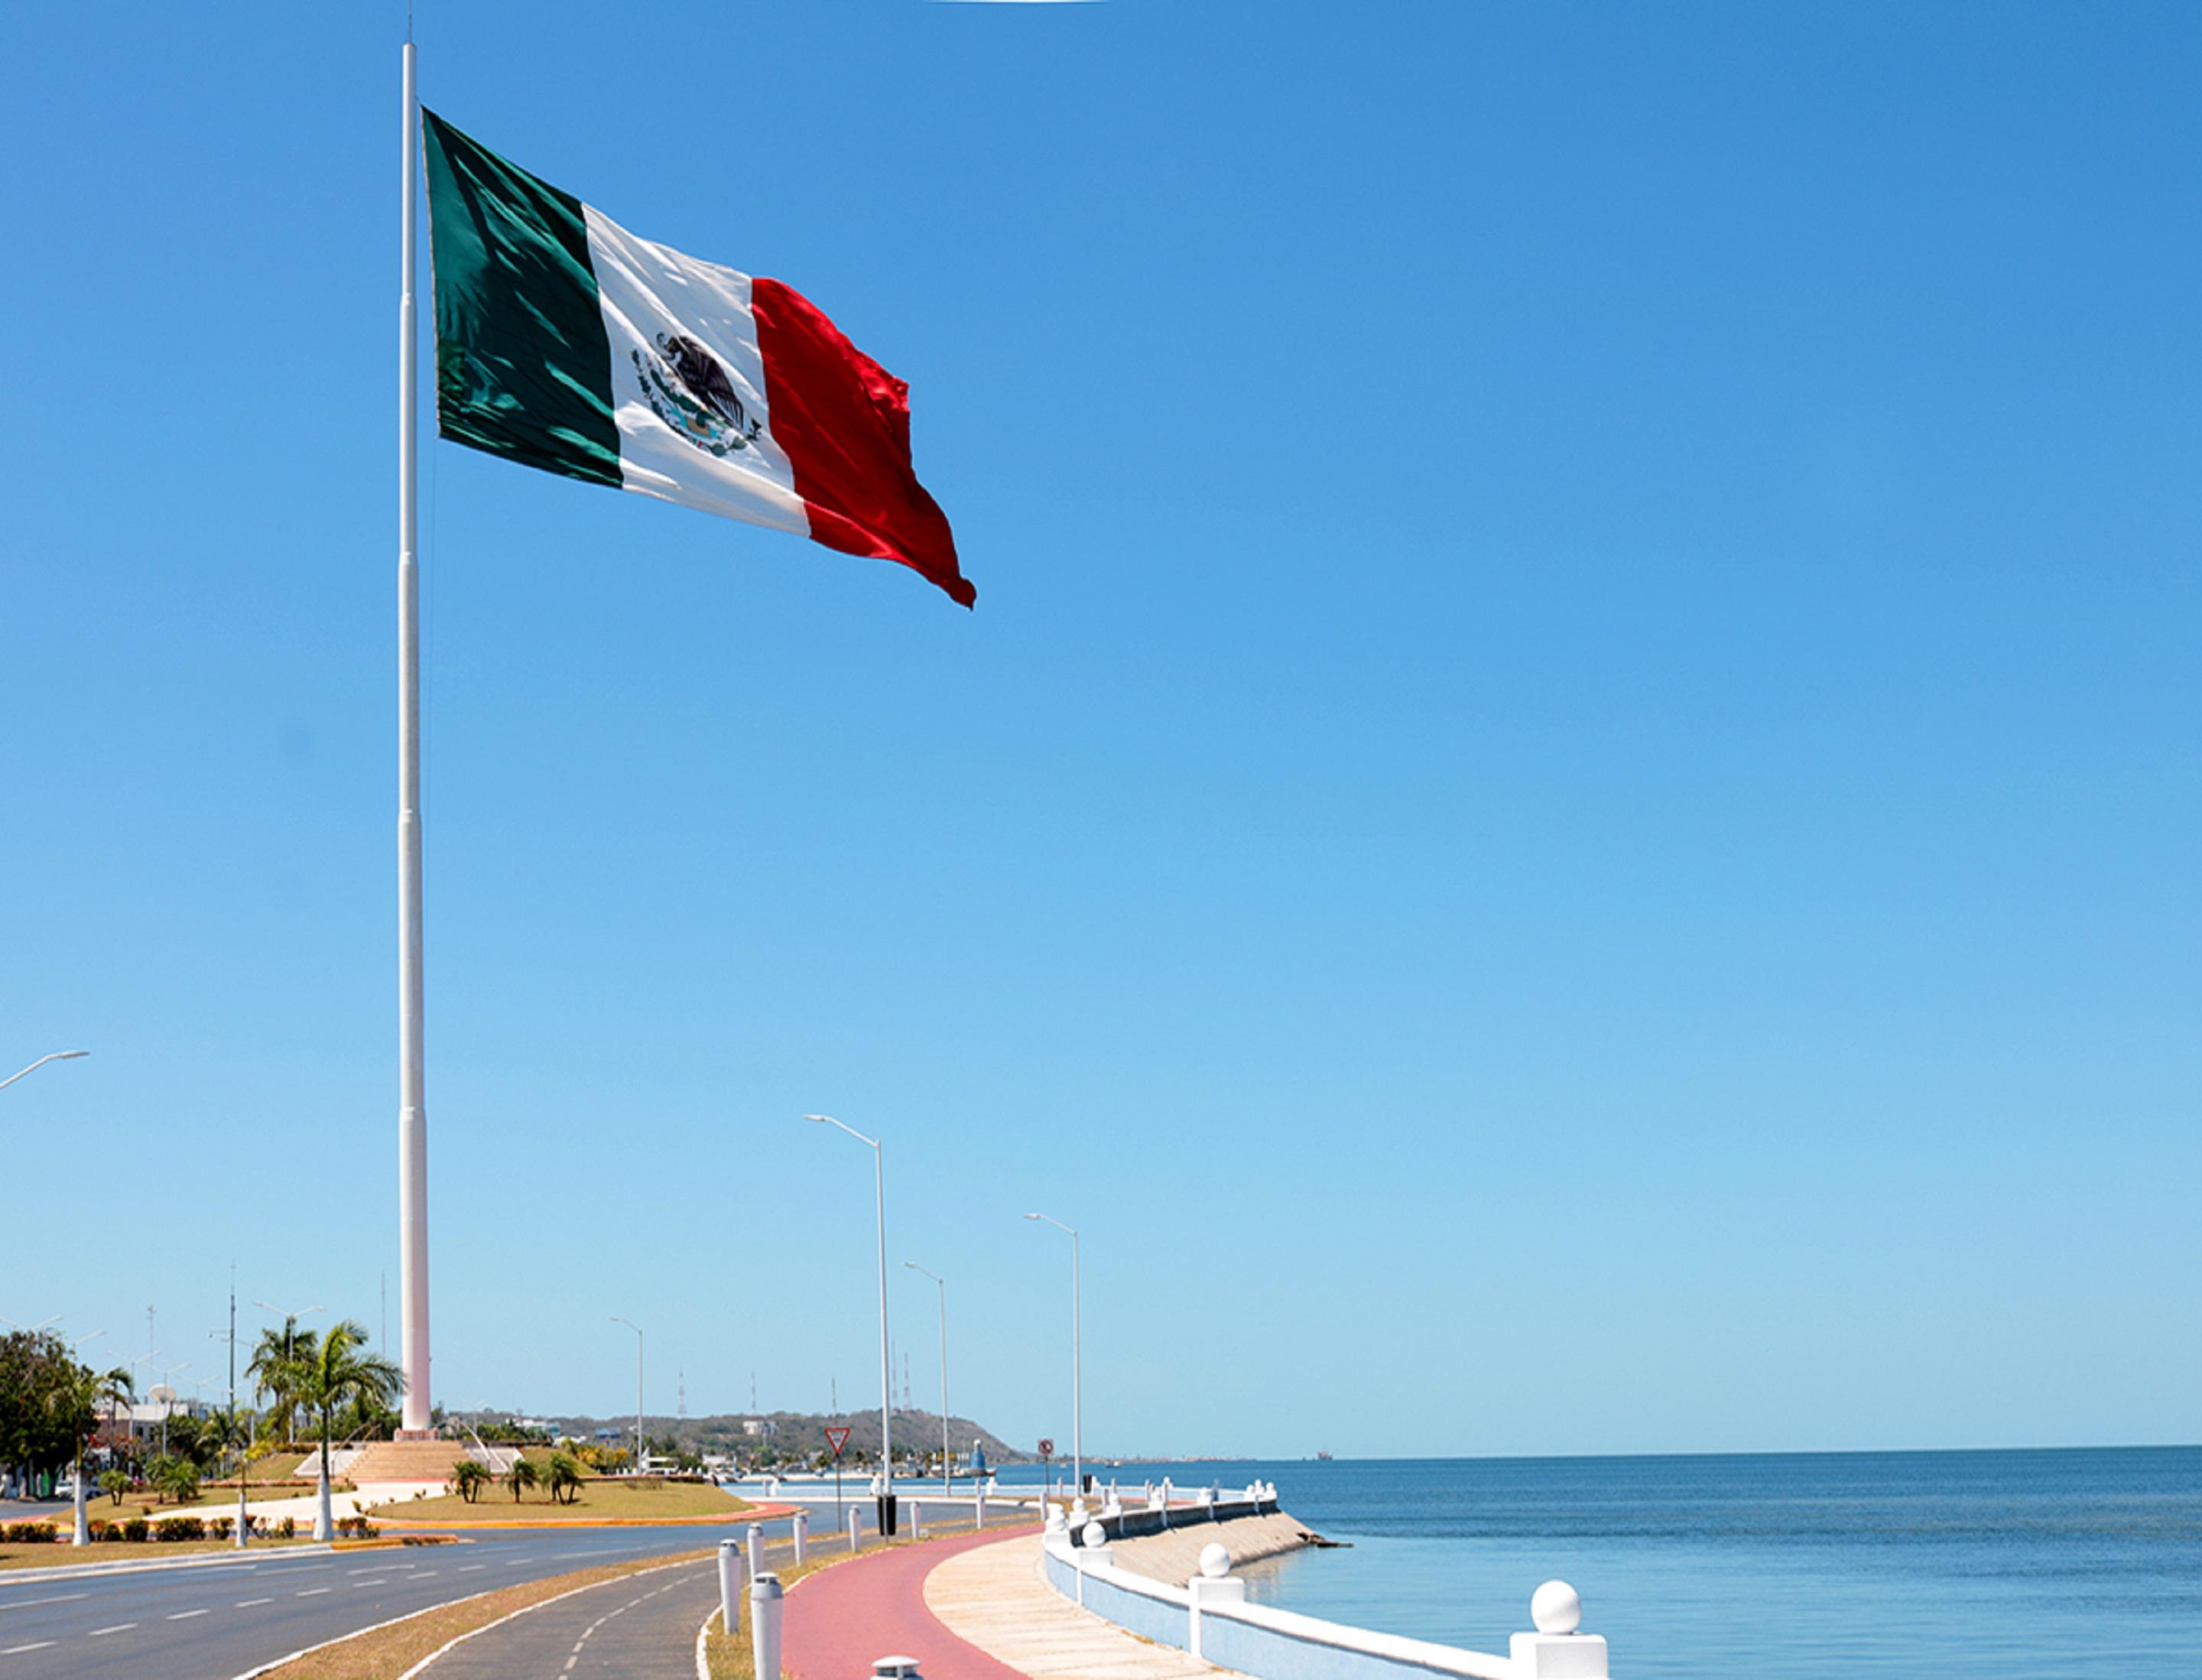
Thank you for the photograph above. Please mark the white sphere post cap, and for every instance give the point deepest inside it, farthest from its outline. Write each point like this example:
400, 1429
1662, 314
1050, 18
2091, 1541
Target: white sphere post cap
1214, 1561
1054, 1518
1094, 1534
1556, 1607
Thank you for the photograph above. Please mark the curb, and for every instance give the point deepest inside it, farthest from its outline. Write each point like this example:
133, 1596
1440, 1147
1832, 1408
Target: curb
756, 1513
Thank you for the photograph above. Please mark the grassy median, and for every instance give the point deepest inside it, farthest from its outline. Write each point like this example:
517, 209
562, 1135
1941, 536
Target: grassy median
598, 1500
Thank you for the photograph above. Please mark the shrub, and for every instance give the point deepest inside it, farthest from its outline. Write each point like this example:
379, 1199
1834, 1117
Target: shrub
136, 1528
220, 1528
100, 1529
287, 1528
29, 1534
180, 1528
355, 1528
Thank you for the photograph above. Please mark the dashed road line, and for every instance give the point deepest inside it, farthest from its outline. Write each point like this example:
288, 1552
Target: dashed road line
185, 1615
17, 1650
58, 1598
310, 1591
247, 1603
119, 1627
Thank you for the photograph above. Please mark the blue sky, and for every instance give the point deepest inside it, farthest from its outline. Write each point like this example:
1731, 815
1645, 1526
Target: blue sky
1568, 822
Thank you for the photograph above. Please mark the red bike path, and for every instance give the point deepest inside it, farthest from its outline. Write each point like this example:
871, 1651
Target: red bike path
838, 1621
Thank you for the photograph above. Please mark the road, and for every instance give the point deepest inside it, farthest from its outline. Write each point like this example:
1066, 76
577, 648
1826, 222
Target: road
211, 1622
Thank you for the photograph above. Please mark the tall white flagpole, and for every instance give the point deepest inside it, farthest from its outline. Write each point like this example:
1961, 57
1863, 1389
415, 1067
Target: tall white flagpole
412, 1095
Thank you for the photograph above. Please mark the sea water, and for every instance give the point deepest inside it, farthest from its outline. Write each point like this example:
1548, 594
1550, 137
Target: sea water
2004, 1565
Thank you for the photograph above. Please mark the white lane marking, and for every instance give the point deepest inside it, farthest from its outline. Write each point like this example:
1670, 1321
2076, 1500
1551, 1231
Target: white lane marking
463, 1568
421, 1574
119, 1627
58, 1598
370, 1570
247, 1603
185, 1615
310, 1591
15, 1650
379, 1580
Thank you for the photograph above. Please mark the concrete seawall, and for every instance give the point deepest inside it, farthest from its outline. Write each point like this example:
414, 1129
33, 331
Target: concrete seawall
1174, 1555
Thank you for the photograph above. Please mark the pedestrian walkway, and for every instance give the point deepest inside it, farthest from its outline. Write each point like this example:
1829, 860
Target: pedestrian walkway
994, 1599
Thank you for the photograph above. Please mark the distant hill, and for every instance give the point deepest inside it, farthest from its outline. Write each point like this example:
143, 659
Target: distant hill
789, 1438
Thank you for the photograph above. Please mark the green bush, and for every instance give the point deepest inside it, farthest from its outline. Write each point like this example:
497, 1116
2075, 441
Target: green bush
220, 1528
100, 1529
180, 1528
287, 1528
29, 1534
136, 1528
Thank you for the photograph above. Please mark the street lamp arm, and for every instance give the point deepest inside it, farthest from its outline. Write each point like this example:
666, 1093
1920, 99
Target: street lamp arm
57, 1056
829, 1120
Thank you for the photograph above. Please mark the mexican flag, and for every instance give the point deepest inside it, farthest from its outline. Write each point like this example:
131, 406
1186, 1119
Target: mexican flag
565, 342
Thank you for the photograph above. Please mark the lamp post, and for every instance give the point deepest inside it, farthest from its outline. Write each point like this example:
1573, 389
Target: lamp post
947, 1481
1077, 1441
886, 1513
289, 1340
169, 1405
81, 1529
57, 1056
637, 1329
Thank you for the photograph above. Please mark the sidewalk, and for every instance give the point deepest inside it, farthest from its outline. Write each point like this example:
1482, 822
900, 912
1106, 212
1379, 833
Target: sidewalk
970, 1608
995, 1599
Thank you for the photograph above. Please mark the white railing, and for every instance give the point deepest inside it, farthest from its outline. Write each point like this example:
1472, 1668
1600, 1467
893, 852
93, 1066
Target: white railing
1209, 1619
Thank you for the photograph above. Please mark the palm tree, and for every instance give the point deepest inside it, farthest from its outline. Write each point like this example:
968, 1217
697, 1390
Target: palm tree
76, 1396
469, 1479
521, 1475
114, 1484
273, 1359
339, 1370
562, 1479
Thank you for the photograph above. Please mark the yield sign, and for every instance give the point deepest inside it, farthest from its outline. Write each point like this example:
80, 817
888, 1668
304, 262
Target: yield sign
837, 1439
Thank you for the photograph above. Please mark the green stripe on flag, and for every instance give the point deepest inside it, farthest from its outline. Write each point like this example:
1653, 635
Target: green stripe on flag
523, 366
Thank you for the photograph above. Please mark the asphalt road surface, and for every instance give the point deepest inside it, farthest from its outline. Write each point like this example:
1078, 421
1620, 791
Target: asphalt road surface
210, 1621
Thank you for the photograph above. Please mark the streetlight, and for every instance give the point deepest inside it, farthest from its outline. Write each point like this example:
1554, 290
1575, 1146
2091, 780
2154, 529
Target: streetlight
81, 1531
58, 1056
169, 1405
289, 1341
1077, 1445
886, 1513
947, 1482
32, 1330
637, 1329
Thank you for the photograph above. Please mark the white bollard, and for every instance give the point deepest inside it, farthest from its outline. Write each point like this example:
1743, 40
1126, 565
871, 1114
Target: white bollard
1213, 1585
757, 1549
765, 1606
910, 1511
802, 1537
895, 1668
733, 1576
1558, 1651
852, 1530
979, 1509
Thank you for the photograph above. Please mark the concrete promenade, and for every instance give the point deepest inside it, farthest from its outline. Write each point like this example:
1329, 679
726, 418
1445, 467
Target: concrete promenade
991, 1599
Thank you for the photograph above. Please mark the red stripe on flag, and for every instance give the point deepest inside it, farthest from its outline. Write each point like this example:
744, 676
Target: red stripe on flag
844, 420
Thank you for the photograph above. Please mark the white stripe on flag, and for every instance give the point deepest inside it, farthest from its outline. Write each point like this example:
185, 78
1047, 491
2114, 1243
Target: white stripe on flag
711, 449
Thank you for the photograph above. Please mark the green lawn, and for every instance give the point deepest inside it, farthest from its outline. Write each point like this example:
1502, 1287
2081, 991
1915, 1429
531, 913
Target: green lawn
642, 1499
